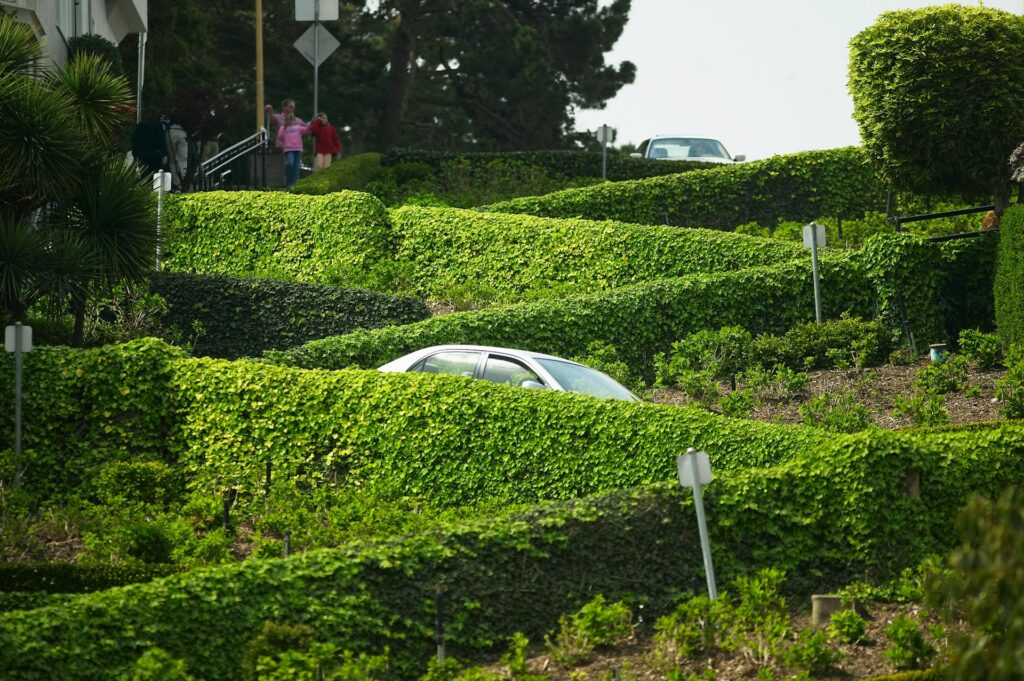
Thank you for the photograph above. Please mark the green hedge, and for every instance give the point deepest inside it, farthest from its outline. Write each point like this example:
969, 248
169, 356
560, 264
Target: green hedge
509, 255
316, 239
1009, 281
243, 317
804, 186
839, 513
348, 173
66, 578
969, 272
559, 163
640, 320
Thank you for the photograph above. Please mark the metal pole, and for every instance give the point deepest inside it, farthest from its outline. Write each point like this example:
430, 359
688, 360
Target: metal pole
604, 153
259, 64
140, 77
439, 624
705, 545
17, 391
814, 273
316, 58
159, 215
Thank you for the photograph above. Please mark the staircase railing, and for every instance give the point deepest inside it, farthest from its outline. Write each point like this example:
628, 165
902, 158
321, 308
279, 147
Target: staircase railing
240, 166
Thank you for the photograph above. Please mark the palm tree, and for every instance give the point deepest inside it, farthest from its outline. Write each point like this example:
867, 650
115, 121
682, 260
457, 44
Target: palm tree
75, 218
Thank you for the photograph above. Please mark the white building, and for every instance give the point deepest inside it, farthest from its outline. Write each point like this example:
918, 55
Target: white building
57, 21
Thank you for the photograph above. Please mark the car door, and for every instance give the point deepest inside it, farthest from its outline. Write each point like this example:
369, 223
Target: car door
454, 362
507, 370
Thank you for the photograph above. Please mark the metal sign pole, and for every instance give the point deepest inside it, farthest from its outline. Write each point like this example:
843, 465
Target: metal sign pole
159, 216
695, 470
814, 271
316, 58
17, 391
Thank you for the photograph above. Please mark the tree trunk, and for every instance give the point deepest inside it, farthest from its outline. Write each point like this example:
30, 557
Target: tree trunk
1001, 197
400, 76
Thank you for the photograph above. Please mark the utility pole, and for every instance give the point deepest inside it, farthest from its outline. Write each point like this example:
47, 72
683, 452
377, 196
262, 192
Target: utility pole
259, 65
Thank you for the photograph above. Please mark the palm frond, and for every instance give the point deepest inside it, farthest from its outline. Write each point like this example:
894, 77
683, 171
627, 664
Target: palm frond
101, 99
22, 252
20, 51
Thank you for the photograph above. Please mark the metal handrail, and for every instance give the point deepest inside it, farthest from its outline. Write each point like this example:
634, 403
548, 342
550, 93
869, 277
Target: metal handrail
257, 142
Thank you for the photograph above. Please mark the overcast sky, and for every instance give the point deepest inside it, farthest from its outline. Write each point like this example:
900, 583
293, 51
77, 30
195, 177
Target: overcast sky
763, 76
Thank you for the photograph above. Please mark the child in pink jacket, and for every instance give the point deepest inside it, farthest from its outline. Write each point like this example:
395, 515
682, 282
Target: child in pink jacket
289, 139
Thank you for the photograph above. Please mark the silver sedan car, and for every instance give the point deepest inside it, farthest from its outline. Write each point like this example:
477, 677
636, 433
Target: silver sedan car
511, 367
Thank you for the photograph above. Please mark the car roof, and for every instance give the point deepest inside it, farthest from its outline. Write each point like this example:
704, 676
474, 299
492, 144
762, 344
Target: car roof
680, 134
492, 348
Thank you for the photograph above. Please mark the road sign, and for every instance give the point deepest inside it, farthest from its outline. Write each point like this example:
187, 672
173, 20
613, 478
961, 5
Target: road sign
605, 134
305, 44
814, 235
10, 334
305, 10
685, 468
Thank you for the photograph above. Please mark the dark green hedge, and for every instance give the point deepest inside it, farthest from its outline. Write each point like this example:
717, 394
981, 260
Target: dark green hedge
316, 239
509, 255
838, 513
804, 186
559, 163
969, 272
243, 317
640, 320
1009, 282
75, 578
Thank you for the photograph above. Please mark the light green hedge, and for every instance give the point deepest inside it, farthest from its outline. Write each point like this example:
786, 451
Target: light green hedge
1009, 281
510, 255
838, 513
640, 320
348, 173
804, 186
315, 239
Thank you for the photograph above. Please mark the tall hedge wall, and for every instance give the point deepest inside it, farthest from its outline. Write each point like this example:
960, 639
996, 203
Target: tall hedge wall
802, 186
243, 317
969, 269
514, 254
559, 163
276, 235
1009, 282
640, 320
840, 512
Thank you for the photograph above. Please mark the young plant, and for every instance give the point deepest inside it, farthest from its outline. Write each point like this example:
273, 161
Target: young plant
908, 648
922, 409
811, 653
983, 350
738, 404
1010, 389
848, 627
836, 410
695, 628
943, 377
596, 624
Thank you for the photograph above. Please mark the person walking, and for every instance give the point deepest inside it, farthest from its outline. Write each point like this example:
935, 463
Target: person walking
149, 142
177, 142
327, 141
287, 109
289, 139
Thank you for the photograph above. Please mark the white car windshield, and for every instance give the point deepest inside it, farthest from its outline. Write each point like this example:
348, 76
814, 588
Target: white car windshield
580, 379
680, 148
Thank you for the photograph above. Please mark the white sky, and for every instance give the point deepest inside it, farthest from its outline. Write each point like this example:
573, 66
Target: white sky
763, 76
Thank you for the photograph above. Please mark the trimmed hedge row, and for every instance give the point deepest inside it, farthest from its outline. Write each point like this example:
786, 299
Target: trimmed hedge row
842, 512
969, 269
640, 320
559, 163
351, 173
243, 317
514, 254
1009, 281
276, 235
65, 578
804, 186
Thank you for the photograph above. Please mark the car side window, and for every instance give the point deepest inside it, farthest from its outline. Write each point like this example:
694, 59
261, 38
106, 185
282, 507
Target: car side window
508, 371
460, 363
642, 149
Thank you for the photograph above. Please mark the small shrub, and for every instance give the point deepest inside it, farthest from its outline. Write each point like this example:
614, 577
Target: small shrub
943, 377
781, 382
758, 622
694, 628
811, 653
515, 659
157, 664
722, 353
848, 626
836, 410
901, 357
922, 409
1010, 388
738, 404
596, 624
908, 648
272, 641
147, 482
983, 350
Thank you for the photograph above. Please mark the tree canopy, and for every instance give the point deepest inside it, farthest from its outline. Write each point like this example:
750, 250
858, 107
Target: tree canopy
937, 97
451, 74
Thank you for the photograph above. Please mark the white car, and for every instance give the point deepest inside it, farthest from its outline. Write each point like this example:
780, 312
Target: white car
511, 367
685, 148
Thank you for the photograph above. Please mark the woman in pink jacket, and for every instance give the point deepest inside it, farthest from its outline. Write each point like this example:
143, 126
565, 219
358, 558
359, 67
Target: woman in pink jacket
289, 139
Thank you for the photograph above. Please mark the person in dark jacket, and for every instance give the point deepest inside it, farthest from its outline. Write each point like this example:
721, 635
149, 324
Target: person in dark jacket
149, 142
327, 141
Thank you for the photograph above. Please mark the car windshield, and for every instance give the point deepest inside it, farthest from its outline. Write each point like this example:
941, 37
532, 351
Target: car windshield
581, 379
687, 147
